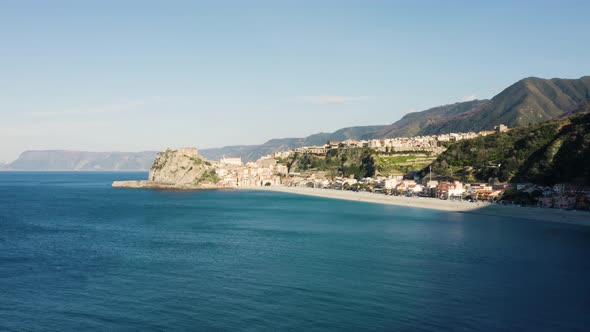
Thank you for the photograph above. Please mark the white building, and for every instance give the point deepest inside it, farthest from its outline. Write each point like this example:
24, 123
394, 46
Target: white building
237, 161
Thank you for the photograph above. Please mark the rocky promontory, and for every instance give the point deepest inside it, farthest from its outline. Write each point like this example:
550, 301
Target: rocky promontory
181, 169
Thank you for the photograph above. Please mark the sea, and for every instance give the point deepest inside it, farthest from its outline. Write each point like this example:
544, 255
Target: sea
78, 255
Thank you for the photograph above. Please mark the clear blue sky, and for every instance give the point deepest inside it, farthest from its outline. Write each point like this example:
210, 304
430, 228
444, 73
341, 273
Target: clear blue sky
138, 75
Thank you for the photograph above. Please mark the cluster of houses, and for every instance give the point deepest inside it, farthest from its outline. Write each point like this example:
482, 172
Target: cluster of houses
266, 171
563, 196
397, 185
433, 143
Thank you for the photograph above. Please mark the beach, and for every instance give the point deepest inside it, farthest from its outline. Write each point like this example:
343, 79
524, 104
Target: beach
482, 208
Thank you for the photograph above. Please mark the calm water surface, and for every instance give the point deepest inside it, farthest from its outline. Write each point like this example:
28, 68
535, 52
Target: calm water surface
76, 254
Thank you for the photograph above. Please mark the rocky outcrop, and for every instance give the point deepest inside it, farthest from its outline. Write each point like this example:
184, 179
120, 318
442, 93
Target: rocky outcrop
177, 169
183, 166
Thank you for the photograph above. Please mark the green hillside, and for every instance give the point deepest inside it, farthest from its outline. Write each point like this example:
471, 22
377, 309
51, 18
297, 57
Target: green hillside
401, 164
356, 162
547, 153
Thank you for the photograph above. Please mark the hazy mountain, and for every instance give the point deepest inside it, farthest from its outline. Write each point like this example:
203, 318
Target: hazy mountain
253, 152
83, 161
528, 101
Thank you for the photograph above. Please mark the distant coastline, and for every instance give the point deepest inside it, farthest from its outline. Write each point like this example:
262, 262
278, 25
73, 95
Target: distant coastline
573, 217
77, 170
71, 160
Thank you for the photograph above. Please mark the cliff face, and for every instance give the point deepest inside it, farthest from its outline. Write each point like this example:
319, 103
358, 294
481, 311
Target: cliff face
182, 167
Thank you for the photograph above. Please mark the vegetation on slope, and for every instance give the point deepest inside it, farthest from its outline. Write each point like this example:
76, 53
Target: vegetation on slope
546, 153
356, 162
401, 164
208, 176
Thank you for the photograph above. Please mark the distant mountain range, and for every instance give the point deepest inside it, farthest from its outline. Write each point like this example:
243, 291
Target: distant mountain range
61, 160
528, 101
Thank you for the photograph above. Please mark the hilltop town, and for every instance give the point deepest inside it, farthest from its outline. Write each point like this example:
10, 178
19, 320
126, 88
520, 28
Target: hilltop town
274, 169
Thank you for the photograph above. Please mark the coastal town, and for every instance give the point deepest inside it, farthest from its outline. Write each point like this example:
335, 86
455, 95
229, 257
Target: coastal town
271, 170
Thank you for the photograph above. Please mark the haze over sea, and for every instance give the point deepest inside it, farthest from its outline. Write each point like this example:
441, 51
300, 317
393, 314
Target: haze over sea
76, 254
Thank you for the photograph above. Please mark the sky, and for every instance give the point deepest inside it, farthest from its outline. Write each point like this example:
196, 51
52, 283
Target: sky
148, 75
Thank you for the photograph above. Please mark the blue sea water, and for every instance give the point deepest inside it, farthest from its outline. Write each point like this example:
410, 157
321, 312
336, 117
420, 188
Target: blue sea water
76, 254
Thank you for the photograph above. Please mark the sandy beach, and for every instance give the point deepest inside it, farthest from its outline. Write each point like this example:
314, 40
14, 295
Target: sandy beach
529, 213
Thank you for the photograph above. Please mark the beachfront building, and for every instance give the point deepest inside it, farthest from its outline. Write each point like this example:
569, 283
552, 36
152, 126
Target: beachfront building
450, 190
473, 188
455, 190
391, 182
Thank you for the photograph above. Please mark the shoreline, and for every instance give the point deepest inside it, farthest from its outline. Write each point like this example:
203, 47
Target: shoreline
573, 217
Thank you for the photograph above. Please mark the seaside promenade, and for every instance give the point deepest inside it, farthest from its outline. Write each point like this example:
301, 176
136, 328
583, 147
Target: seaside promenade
483, 208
